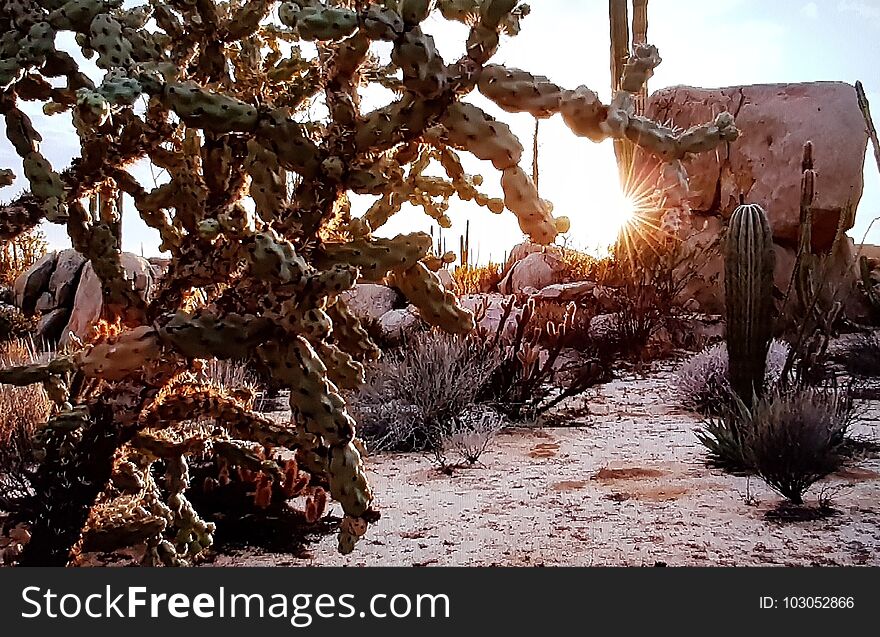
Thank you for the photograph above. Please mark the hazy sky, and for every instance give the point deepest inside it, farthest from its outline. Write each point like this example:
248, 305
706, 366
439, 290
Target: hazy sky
703, 43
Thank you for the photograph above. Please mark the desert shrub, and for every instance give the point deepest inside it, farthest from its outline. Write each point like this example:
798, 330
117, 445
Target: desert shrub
643, 283
20, 253
21, 410
577, 333
472, 279
525, 383
419, 394
702, 382
471, 436
14, 325
235, 377
861, 356
577, 265
791, 437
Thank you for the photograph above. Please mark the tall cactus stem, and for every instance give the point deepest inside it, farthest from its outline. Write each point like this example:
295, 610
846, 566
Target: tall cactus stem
748, 279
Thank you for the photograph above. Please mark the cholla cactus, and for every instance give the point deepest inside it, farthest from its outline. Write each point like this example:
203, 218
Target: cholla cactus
226, 86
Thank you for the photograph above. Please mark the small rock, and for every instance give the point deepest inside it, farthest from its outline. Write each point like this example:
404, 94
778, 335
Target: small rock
566, 292
395, 325
370, 300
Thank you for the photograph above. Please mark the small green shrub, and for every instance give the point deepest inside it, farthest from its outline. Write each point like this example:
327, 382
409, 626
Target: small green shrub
792, 437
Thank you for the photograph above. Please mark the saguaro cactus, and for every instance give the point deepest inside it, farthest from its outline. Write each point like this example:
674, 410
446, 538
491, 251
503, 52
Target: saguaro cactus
748, 282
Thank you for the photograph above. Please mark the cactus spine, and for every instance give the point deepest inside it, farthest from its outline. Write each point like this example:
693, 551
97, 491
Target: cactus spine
748, 279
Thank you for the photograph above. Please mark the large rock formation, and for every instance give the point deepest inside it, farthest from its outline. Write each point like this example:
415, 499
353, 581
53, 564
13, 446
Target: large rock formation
64, 279
64, 290
30, 284
88, 302
764, 165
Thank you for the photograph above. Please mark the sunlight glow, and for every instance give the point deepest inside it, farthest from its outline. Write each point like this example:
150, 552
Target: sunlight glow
612, 213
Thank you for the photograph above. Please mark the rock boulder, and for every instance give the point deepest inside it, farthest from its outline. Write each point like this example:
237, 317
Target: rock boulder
88, 302
535, 270
31, 284
395, 325
65, 278
764, 165
370, 300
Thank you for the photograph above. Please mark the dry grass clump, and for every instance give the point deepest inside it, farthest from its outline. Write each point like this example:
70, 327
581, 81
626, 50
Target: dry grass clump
577, 265
472, 279
794, 439
861, 357
230, 375
21, 410
470, 437
418, 395
20, 253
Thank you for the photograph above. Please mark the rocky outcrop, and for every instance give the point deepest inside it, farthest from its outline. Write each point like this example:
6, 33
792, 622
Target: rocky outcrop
30, 285
567, 292
63, 289
88, 302
65, 278
764, 165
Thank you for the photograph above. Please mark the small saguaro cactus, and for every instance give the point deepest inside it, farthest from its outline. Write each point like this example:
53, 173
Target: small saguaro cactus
748, 282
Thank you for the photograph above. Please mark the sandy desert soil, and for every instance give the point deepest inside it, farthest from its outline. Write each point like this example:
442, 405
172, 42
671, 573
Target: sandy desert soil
627, 486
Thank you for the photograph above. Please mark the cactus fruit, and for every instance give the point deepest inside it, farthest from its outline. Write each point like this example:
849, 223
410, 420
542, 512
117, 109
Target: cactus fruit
219, 94
748, 283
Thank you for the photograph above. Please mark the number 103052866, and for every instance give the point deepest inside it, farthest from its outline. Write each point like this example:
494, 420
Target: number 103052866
808, 602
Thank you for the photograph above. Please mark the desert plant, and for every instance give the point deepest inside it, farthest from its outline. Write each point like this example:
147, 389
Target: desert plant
523, 385
793, 437
476, 279
19, 253
811, 310
577, 265
14, 324
639, 289
415, 397
748, 286
702, 382
229, 96
471, 436
22, 409
232, 376
861, 355
790, 436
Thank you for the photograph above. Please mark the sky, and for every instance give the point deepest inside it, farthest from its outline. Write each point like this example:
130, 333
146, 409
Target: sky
703, 43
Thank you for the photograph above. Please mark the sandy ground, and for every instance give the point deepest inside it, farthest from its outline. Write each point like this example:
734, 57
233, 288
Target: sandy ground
627, 486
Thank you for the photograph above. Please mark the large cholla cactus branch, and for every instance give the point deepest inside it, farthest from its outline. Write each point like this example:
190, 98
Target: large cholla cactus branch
255, 212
